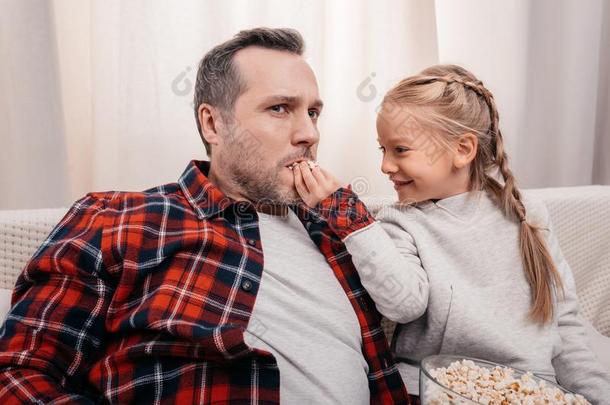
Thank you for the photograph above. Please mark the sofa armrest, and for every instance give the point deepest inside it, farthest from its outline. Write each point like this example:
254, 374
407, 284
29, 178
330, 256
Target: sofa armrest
21, 233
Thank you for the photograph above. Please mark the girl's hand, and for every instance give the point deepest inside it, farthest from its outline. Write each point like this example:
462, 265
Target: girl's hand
313, 183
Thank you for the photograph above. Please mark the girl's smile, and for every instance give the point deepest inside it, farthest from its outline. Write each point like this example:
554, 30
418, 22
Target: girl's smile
398, 184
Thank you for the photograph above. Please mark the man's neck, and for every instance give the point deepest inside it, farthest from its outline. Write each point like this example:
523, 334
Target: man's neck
226, 187
273, 209
231, 192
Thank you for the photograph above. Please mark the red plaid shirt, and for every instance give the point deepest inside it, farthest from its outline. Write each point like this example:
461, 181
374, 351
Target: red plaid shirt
145, 297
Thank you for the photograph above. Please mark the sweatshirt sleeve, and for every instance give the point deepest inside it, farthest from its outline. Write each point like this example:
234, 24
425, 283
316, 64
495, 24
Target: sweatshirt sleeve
385, 257
576, 366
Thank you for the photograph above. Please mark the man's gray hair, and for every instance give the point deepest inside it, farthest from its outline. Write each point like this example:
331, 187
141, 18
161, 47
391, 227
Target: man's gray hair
218, 80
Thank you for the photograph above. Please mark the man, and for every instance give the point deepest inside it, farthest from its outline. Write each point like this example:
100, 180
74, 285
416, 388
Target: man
221, 288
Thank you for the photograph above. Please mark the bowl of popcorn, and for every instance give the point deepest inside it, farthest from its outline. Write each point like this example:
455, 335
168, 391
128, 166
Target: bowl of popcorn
446, 379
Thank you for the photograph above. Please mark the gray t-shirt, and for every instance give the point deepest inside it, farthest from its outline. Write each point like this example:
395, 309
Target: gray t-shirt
304, 318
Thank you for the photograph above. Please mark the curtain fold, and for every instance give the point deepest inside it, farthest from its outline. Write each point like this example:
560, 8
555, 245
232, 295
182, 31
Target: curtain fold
543, 62
601, 162
32, 145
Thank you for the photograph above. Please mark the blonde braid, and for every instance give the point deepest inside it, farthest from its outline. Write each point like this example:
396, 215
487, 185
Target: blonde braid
539, 267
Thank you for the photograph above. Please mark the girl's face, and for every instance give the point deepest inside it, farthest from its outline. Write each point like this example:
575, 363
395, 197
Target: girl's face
420, 167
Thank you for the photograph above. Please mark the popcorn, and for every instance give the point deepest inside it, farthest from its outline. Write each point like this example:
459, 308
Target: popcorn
494, 386
310, 163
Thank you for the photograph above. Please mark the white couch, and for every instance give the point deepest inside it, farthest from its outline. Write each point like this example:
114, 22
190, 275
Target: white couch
581, 216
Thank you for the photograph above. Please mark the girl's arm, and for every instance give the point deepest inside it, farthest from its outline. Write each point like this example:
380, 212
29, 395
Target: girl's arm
383, 253
384, 256
576, 366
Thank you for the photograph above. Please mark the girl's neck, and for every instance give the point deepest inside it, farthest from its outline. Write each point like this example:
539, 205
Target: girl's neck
460, 184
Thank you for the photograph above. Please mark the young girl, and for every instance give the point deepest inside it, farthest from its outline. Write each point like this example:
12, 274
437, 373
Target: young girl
464, 262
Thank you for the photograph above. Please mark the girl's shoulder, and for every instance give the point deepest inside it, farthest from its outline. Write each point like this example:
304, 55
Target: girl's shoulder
400, 214
403, 215
536, 211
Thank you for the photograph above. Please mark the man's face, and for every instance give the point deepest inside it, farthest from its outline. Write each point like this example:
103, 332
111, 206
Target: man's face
274, 124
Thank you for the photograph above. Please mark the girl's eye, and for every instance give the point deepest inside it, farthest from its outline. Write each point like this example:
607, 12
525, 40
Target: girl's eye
400, 149
280, 108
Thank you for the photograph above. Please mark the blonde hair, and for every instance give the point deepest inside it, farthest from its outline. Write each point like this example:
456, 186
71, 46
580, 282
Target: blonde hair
453, 101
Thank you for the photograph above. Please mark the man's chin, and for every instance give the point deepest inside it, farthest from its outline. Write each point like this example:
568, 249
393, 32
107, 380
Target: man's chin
290, 196
283, 196
287, 190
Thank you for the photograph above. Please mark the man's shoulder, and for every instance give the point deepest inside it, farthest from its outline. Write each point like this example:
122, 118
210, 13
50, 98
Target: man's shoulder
157, 199
158, 191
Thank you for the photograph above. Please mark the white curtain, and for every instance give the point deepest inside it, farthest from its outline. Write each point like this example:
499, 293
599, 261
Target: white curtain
33, 154
96, 95
547, 64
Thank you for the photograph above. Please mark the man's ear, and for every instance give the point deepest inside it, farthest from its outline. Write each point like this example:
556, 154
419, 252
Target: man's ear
210, 121
465, 150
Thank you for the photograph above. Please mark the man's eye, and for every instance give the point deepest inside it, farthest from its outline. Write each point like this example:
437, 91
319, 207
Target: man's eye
400, 149
314, 114
280, 108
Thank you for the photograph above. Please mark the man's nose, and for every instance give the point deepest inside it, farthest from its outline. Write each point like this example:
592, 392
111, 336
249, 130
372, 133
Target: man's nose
305, 132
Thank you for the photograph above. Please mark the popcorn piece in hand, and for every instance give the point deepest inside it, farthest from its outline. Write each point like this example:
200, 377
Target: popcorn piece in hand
310, 163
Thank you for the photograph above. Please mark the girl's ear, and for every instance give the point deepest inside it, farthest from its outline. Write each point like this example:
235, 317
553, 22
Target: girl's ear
465, 150
210, 121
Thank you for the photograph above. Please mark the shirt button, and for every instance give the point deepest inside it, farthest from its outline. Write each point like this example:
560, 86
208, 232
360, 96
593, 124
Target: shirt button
246, 285
351, 201
384, 363
252, 242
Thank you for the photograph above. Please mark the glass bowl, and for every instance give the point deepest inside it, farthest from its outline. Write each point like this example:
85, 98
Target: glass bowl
433, 392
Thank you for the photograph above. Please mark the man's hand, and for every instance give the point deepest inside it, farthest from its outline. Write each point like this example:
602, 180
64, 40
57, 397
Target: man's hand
313, 183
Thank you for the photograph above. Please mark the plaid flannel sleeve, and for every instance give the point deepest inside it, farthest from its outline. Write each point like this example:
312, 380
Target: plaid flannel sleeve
345, 212
56, 324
